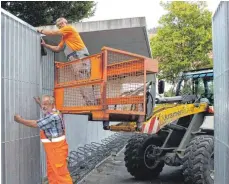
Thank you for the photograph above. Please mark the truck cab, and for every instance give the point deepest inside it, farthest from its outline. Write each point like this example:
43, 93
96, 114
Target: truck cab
197, 82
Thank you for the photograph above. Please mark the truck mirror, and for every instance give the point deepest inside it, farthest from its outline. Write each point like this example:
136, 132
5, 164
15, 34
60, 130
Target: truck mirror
161, 86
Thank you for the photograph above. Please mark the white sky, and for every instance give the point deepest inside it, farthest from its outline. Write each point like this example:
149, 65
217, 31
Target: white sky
151, 9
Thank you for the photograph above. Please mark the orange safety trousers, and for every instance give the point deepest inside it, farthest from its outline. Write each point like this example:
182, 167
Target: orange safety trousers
56, 158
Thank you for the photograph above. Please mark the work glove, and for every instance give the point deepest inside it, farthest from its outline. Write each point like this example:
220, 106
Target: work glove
39, 30
43, 50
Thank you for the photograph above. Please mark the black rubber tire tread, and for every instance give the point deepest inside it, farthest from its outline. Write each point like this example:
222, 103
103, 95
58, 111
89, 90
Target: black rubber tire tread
134, 157
196, 160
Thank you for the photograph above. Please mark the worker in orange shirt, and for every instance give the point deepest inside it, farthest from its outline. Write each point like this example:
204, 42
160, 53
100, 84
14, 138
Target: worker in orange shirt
52, 135
71, 42
74, 48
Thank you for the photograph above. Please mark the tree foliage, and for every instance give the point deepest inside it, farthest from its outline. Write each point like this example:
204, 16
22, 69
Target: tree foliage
170, 92
184, 38
39, 13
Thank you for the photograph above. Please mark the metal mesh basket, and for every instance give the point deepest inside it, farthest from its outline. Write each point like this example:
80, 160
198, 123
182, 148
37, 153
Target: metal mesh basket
78, 71
107, 81
82, 96
122, 80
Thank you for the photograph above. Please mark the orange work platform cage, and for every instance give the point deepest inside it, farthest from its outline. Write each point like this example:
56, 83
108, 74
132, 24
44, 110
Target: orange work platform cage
104, 85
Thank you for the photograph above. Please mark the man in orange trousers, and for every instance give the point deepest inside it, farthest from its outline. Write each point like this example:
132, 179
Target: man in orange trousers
52, 134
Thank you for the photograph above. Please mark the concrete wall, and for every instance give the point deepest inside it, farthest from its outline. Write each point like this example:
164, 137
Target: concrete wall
106, 24
20, 63
221, 91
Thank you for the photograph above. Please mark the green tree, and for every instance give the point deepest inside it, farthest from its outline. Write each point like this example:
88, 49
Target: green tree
170, 92
39, 13
183, 40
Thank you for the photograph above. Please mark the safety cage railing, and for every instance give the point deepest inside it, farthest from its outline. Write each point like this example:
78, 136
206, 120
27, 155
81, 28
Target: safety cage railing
103, 85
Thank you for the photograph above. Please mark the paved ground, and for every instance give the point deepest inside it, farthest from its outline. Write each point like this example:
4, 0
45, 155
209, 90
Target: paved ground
113, 171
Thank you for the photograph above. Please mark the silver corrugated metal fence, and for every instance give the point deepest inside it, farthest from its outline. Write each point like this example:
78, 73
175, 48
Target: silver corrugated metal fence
221, 104
20, 62
47, 81
47, 63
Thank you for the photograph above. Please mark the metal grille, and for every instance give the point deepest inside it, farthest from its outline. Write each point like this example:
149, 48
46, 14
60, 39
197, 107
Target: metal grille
78, 70
82, 96
115, 57
126, 83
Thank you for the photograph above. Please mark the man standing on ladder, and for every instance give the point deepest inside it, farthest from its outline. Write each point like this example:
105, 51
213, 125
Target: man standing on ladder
52, 134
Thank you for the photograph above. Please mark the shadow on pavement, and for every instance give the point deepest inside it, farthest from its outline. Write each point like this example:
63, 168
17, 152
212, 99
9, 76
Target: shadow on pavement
113, 171
171, 175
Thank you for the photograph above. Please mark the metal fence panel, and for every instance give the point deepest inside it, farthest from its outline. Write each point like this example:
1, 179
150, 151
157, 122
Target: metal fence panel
20, 82
221, 77
47, 85
47, 63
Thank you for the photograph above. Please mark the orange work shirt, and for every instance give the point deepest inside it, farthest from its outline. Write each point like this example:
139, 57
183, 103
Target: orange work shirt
71, 38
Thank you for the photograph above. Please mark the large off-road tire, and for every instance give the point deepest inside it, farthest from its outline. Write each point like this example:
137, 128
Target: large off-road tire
135, 157
198, 162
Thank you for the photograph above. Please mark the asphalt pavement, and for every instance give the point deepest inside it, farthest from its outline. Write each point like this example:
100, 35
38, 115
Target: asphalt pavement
113, 171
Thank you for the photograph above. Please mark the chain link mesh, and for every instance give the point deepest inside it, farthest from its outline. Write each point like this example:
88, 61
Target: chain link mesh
125, 74
115, 57
82, 96
80, 70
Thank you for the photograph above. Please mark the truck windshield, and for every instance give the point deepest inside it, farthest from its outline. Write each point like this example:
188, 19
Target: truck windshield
196, 84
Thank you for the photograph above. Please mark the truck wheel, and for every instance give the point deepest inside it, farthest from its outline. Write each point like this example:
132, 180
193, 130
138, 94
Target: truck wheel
136, 156
198, 162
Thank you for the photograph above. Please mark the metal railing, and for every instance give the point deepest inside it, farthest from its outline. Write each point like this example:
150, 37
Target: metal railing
86, 158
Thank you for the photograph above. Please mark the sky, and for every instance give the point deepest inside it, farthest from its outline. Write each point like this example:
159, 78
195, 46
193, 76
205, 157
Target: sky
150, 9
